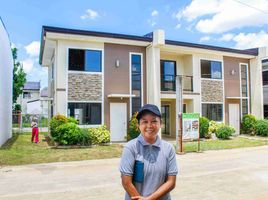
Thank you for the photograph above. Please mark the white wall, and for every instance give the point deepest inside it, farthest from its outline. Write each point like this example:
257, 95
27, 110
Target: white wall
6, 74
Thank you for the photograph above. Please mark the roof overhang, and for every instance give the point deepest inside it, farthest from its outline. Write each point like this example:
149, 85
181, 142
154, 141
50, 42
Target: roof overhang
189, 50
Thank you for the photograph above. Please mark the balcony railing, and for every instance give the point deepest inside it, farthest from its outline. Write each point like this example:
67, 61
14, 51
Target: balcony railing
168, 83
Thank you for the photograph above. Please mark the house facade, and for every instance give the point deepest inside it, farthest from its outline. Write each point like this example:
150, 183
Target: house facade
6, 77
103, 78
30, 93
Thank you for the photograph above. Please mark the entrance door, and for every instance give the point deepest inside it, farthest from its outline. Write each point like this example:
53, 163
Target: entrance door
118, 121
165, 129
234, 119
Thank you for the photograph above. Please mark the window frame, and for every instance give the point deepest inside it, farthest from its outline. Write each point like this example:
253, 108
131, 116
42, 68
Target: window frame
162, 61
210, 103
210, 78
85, 49
91, 102
241, 95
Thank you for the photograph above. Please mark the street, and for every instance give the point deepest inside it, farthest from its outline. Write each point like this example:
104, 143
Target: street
237, 174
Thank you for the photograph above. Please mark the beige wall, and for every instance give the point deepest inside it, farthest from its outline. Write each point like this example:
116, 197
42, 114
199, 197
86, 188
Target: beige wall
61, 69
116, 79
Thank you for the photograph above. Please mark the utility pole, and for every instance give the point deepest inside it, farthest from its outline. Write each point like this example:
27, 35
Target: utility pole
179, 106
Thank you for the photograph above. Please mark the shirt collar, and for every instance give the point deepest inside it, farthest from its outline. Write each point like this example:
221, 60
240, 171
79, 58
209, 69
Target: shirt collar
144, 143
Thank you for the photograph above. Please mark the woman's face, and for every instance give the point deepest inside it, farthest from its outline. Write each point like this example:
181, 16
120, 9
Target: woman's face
149, 126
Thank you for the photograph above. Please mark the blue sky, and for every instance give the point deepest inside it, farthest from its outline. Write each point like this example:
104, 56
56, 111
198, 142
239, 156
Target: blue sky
238, 24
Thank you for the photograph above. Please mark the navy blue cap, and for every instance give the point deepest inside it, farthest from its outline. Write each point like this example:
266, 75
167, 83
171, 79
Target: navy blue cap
148, 107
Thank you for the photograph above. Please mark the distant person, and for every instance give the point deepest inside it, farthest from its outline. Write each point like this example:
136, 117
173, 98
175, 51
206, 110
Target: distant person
35, 131
148, 165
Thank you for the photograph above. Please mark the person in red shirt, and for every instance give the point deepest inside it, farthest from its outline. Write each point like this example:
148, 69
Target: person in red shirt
35, 131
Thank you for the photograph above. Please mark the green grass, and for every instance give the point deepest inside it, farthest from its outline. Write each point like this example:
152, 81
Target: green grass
236, 142
19, 151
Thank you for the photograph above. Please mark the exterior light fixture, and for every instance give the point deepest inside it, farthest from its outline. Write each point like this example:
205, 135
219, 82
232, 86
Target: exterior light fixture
117, 63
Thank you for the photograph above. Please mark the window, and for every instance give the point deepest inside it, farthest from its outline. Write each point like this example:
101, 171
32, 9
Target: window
244, 107
212, 111
85, 60
27, 95
211, 69
85, 113
265, 77
165, 119
136, 81
244, 89
168, 75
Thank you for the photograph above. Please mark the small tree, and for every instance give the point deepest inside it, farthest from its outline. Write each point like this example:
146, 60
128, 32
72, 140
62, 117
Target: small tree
19, 76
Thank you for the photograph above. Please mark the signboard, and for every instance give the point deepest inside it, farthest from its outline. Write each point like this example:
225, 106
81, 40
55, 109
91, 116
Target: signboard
190, 125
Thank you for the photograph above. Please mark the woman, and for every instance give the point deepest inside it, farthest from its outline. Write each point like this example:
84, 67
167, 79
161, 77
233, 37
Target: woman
148, 164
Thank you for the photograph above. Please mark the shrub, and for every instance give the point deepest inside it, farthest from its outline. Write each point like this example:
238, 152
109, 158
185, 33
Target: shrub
248, 124
99, 135
213, 126
224, 131
55, 122
73, 120
133, 129
204, 125
262, 127
68, 134
17, 107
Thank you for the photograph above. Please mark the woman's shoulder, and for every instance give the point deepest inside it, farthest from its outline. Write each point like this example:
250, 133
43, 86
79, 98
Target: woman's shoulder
132, 143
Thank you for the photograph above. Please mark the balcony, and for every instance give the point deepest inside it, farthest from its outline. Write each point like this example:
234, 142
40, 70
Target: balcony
168, 83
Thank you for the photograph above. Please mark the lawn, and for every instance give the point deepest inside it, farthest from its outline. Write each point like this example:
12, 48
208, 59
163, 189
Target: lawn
236, 142
19, 150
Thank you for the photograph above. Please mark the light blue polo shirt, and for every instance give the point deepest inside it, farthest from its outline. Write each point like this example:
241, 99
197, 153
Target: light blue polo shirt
159, 162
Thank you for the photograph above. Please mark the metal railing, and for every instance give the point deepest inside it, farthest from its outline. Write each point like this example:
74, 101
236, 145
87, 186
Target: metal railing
22, 122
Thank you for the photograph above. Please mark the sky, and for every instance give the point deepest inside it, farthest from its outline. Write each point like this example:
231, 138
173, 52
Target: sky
239, 24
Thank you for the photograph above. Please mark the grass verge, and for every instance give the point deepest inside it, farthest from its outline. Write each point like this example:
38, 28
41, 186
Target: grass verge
236, 142
19, 151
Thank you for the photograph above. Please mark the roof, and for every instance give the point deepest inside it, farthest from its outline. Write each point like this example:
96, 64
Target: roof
31, 86
253, 52
148, 37
44, 92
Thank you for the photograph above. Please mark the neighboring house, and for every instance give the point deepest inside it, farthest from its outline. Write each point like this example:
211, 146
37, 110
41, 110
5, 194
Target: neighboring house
6, 77
31, 93
103, 78
39, 106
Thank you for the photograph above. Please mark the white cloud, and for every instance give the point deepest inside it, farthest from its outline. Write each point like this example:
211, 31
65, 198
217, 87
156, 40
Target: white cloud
32, 49
27, 65
204, 39
151, 22
154, 13
178, 26
199, 8
218, 16
226, 37
90, 14
251, 40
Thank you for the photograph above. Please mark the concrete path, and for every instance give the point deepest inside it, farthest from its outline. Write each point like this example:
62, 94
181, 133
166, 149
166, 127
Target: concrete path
238, 174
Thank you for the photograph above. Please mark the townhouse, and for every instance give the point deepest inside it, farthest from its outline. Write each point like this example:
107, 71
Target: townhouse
103, 78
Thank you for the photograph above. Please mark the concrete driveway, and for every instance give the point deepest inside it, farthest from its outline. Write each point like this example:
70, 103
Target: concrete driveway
238, 174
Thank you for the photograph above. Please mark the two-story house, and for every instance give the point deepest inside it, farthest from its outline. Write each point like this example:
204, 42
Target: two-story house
30, 93
103, 78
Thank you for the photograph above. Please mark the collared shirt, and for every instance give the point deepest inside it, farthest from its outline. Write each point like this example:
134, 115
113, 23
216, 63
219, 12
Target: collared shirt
159, 162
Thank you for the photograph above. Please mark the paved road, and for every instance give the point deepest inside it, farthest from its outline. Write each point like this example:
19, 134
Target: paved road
238, 174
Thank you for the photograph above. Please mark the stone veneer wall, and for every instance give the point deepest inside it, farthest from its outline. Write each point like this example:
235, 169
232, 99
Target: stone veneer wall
84, 87
211, 91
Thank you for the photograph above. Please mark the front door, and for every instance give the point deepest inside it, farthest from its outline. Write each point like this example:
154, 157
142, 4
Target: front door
118, 122
165, 129
234, 119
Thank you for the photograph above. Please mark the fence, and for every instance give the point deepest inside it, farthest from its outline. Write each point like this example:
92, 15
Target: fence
22, 122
